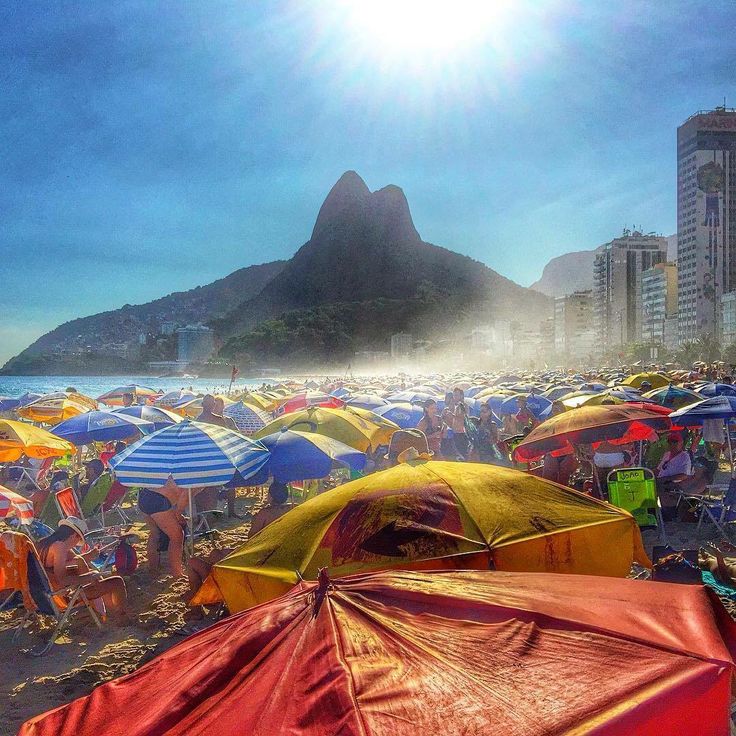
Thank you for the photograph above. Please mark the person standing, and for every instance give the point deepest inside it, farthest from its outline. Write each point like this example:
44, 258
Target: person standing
431, 425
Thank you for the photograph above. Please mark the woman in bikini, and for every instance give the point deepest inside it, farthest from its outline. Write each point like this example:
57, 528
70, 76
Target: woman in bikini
162, 509
65, 567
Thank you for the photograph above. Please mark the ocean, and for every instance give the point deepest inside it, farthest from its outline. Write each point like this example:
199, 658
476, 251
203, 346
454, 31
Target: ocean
95, 385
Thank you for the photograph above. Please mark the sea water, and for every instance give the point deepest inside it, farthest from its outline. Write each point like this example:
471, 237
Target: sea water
95, 385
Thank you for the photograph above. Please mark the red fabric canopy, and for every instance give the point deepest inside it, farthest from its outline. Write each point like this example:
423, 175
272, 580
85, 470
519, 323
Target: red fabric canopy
407, 653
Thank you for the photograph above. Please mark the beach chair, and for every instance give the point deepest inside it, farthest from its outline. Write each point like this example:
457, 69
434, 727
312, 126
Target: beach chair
91, 504
22, 573
717, 505
635, 491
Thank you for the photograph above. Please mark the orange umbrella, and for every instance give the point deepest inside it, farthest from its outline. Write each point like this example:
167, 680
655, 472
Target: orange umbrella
408, 653
590, 424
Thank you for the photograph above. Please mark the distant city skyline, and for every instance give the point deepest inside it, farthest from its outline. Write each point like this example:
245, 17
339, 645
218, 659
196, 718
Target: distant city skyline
152, 148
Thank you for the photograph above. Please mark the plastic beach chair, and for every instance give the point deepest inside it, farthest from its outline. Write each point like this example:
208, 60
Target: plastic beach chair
24, 575
635, 491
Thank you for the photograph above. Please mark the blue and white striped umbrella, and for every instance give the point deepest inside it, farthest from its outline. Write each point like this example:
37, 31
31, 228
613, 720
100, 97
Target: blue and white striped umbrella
717, 407
195, 454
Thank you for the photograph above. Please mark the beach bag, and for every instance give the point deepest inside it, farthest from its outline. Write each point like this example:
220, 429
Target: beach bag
126, 558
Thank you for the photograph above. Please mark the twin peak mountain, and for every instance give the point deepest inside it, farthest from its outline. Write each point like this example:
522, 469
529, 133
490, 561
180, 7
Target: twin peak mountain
364, 274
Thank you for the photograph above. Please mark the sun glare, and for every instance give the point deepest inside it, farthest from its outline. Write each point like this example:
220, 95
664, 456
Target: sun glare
426, 27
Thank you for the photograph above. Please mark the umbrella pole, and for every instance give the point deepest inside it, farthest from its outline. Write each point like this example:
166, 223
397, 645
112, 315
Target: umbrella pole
730, 448
191, 523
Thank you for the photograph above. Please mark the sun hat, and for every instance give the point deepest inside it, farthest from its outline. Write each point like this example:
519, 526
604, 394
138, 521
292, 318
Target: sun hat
78, 525
403, 439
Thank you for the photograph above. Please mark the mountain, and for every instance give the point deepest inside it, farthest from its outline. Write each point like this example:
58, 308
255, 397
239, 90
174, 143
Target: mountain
364, 274
125, 325
567, 273
364, 246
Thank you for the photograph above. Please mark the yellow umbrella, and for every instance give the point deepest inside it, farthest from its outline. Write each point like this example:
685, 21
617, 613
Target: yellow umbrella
574, 400
486, 392
260, 401
55, 408
387, 425
657, 380
193, 408
430, 515
340, 424
19, 438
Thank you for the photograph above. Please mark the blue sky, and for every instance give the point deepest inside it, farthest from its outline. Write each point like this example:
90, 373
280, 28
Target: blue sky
151, 147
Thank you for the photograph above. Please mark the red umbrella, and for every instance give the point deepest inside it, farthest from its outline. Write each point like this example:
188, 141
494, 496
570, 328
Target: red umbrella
13, 505
310, 398
590, 424
407, 653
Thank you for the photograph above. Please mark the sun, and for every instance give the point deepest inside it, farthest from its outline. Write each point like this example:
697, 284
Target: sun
425, 27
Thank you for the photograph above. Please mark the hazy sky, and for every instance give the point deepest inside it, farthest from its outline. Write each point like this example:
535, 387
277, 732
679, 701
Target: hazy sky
148, 147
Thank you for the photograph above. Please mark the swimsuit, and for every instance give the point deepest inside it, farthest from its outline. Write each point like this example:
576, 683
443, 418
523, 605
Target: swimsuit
150, 502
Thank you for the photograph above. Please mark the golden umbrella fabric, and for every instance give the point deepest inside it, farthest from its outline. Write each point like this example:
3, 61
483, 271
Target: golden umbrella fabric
430, 515
657, 380
19, 438
346, 426
56, 408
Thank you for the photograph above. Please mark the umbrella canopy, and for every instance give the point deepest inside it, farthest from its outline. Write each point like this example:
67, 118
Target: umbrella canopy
100, 426
159, 416
55, 408
407, 653
19, 438
248, 419
675, 397
717, 407
340, 424
310, 398
261, 401
404, 415
9, 403
536, 404
15, 506
657, 380
717, 389
413, 397
590, 424
430, 515
557, 392
367, 401
192, 408
139, 393
304, 455
195, 454
172, 398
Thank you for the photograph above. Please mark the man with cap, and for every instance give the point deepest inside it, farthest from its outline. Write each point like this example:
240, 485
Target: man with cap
674, 467
65, 567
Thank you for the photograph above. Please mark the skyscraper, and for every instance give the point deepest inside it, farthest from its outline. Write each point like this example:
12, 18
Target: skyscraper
617, 271
706, 219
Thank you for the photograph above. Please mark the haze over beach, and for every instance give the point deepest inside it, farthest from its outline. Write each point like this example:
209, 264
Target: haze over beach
368, 367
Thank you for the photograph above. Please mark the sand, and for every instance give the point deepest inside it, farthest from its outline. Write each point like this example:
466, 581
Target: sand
85, 656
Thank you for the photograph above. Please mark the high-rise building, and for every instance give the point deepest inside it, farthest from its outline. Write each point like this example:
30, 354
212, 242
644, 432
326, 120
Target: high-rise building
573, 326
658, 302
617, 270
401, 345
195, 343
706, 219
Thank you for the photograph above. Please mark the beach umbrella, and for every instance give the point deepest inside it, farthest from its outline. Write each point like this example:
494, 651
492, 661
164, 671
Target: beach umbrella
404, 415
10, 403
536, 404
172, 398
367, 401
590, 424
657, 380
310, 398
192, 408
56, 407
260, 401
140, 394
20, 438
385, 426
407, 653
716, 389
159, 416
340, 424
306, 455
431, 515
675, 397
100, 426
195, 454
15, 506
557, 392
716, 407
248, 419
413, 397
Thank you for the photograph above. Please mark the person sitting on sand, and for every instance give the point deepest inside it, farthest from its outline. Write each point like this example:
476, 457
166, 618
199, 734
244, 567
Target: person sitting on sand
65, 567
277, 507
162, 509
